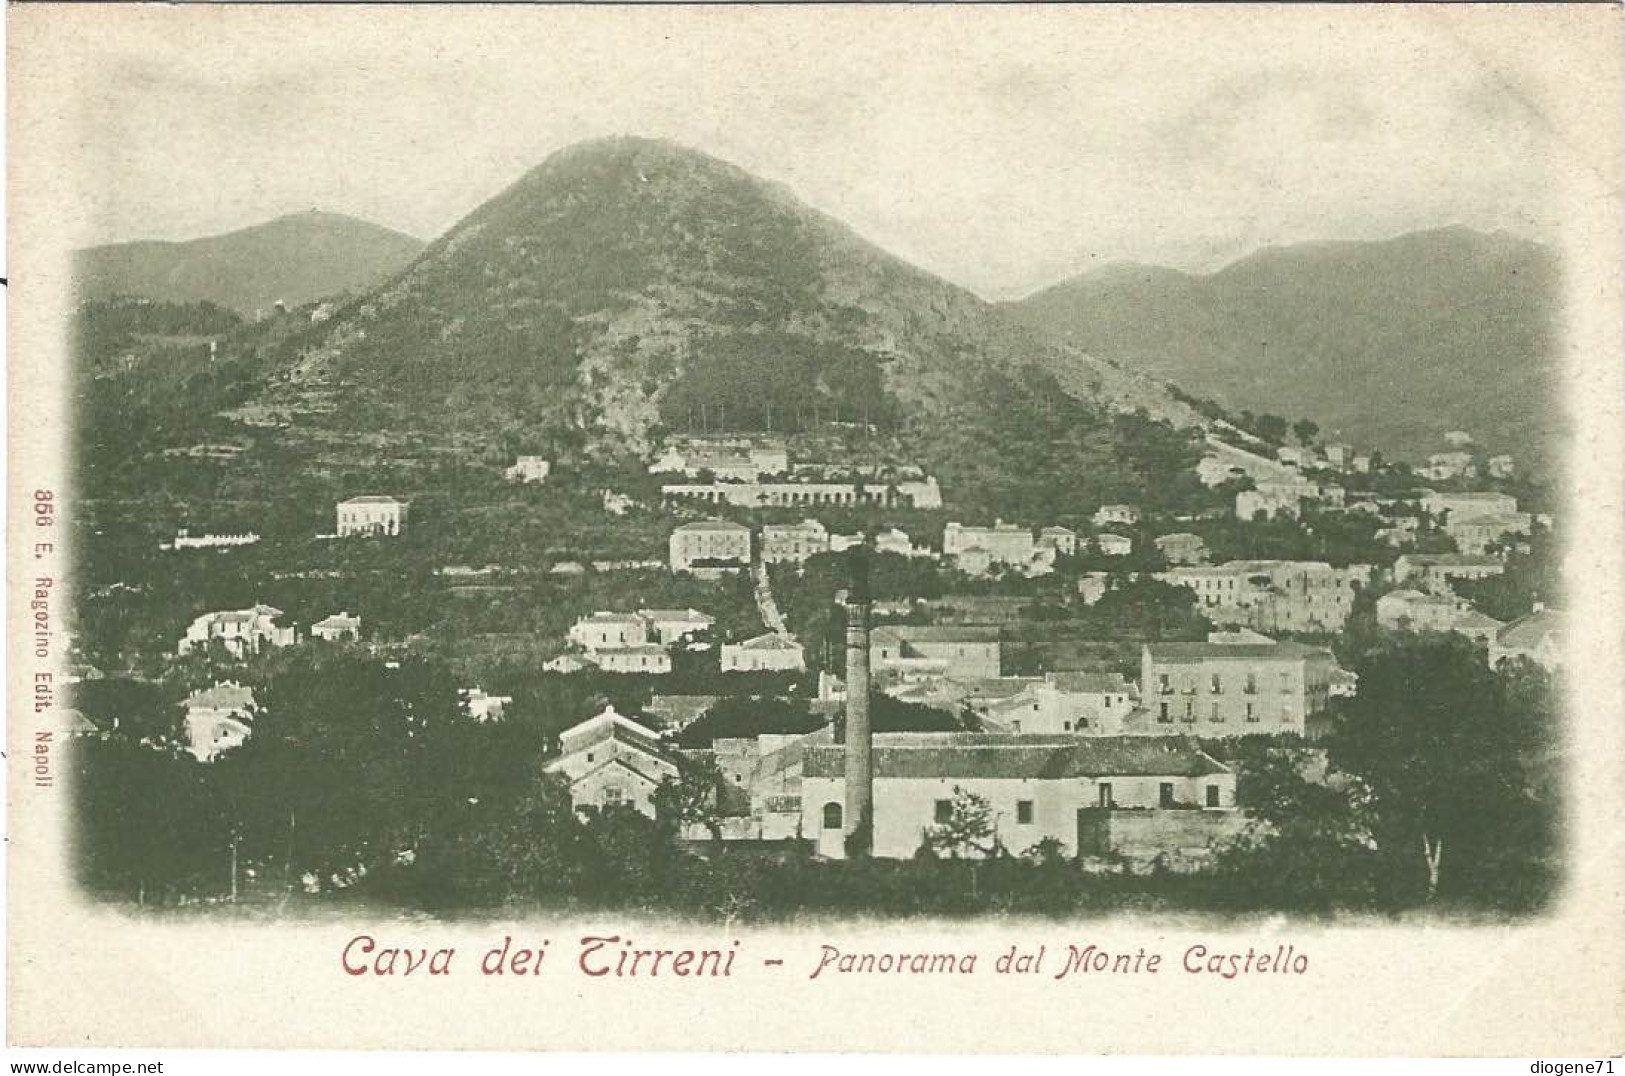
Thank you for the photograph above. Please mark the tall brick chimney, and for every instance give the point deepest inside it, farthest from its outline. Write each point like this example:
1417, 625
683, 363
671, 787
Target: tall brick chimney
859, 739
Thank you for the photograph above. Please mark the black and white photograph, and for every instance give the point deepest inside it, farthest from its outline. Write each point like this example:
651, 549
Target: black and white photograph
773, 470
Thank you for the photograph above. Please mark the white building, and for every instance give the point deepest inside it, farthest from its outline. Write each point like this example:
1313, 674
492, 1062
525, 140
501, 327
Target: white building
371, 515
1076, 703
612, 761
1114, 545
1274, 595
793, 543
1460, 507
771, 652
1093, 796
1123, 515
712, 543
609, 631
668, 626
650, 659
482, 707
336, 628
1222, 688
976, 550
1476, 534
1061, 539
241, 631
528, 469
218, 719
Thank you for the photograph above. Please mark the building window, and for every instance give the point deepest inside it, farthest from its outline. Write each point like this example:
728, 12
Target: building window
1286, 682
1015, 726
832, 816
1216, 715
1165, 794
1190, 710
944, 811
613, 796
1066, 726
1024, 812
1106, 794
1251, 716
1252, 684
1212, 795
1162, 715
1216, 685
1164, 685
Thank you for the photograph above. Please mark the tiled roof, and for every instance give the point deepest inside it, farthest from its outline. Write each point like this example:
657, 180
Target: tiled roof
770, 641
221, 697
1461, 560
674, 614
1528, 632
372, 498
1084, 683
1177, 652
713, 525
611, 618
1027, 758
934, 633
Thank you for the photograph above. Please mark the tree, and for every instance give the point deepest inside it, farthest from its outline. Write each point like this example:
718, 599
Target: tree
968, 829
692, 798
1455, 761
1305, 430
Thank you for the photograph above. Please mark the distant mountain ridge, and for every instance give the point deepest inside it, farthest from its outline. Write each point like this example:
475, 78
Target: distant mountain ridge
294, 259
626, 288
1385, 343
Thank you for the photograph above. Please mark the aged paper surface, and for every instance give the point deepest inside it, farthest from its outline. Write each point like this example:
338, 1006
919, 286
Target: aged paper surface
355, 823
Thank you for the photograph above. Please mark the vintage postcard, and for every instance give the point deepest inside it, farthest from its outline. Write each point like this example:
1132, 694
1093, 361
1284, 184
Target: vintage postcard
801, 528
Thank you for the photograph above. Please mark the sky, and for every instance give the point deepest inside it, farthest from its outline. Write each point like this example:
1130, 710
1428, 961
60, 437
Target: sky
1002, 148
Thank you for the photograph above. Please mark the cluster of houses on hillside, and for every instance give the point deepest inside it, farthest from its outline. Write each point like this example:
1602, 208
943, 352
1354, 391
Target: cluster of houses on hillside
1103, 760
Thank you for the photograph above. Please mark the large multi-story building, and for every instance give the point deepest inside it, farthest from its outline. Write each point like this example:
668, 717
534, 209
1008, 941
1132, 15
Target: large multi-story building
977, 549
710, 543
1234, 689
371, 515
1459, 507
1274, 595
1476, 534
793, 543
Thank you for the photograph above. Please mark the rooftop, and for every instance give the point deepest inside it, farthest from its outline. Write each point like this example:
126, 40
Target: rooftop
1016, 757
1528, 632
1188, 652
373, 498
934, 633
723, 525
